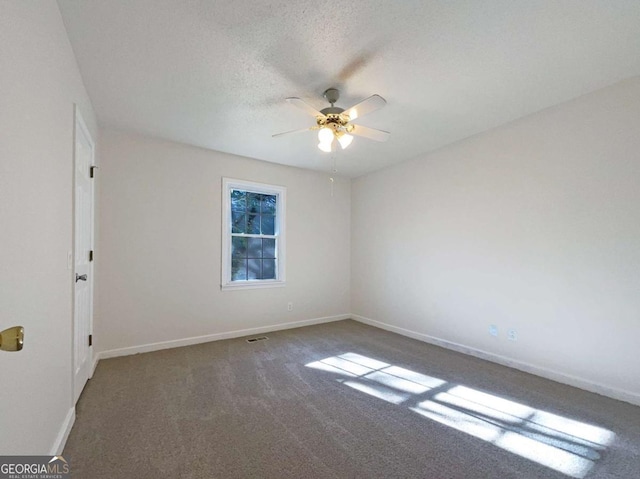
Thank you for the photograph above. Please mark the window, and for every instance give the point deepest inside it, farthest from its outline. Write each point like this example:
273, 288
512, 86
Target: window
252, 234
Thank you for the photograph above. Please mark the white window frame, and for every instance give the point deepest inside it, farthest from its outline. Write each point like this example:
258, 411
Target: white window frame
229, 184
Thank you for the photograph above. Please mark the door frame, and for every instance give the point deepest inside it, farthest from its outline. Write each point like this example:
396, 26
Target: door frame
80, 125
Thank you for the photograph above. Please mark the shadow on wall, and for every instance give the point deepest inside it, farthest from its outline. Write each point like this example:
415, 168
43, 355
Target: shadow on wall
565, 445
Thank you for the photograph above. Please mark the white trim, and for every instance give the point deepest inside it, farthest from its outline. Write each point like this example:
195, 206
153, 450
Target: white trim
79, 122
63, 434
176, 343
96, 358
257, 284
551, 374
225, 275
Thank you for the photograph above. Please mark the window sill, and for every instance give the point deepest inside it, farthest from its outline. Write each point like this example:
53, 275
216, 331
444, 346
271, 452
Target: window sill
258, 284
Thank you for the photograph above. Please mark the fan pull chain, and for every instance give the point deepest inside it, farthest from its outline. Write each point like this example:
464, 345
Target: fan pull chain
332, 183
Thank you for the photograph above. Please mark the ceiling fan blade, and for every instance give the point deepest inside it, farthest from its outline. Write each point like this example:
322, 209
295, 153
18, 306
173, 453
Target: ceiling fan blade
291, 132
373, 103
303, 105
371, 133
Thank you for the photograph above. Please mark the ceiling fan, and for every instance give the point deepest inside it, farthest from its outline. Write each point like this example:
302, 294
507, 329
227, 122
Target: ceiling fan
334, 123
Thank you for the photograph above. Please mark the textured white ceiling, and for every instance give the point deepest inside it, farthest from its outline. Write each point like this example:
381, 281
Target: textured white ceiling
215, 73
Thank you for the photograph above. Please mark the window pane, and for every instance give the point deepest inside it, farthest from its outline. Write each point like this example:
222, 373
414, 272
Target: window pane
268, 225
238, 222
255, 248
268, 248
268, 204
253, 215
254, 269
238, 269
253, 225
253, 202
238, 200
268, 268
238, 247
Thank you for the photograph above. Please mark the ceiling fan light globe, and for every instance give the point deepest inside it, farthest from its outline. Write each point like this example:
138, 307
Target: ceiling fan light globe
325, 135
345, 140
325, 146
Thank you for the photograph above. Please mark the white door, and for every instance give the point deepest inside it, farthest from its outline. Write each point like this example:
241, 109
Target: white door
83, 252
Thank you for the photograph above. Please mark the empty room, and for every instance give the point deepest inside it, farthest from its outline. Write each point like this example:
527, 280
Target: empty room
370, 239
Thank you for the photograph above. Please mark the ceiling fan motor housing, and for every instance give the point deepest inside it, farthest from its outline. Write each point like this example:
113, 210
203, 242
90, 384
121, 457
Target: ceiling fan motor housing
336, 121
334, 117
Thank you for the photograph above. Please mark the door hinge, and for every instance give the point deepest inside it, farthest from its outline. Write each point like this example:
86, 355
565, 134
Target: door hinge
91, 340
91, 255
92, 170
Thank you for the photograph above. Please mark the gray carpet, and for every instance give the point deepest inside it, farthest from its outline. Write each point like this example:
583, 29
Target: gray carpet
341, 400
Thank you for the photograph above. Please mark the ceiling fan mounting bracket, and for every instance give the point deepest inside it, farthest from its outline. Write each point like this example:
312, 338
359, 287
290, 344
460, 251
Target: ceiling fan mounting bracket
332, 95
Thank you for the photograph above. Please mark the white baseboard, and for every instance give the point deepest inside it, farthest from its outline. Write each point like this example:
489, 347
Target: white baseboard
95, 357
146, 348
558, 376
65, 429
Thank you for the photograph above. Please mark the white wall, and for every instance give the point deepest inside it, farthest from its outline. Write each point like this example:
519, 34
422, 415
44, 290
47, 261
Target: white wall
39, 83
158, 251
533, 226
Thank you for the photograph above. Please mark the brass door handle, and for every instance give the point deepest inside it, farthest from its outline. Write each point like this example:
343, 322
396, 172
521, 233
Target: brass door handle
12, 339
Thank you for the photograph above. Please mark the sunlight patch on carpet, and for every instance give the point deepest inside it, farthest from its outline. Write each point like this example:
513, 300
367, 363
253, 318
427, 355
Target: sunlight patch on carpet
559, 443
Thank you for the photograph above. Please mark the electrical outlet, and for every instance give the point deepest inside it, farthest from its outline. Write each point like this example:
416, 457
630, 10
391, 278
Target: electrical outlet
493, 330
289, 306
512, 335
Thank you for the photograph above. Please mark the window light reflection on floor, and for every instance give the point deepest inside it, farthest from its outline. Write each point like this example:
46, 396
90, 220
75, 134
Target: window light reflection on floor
565, 445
